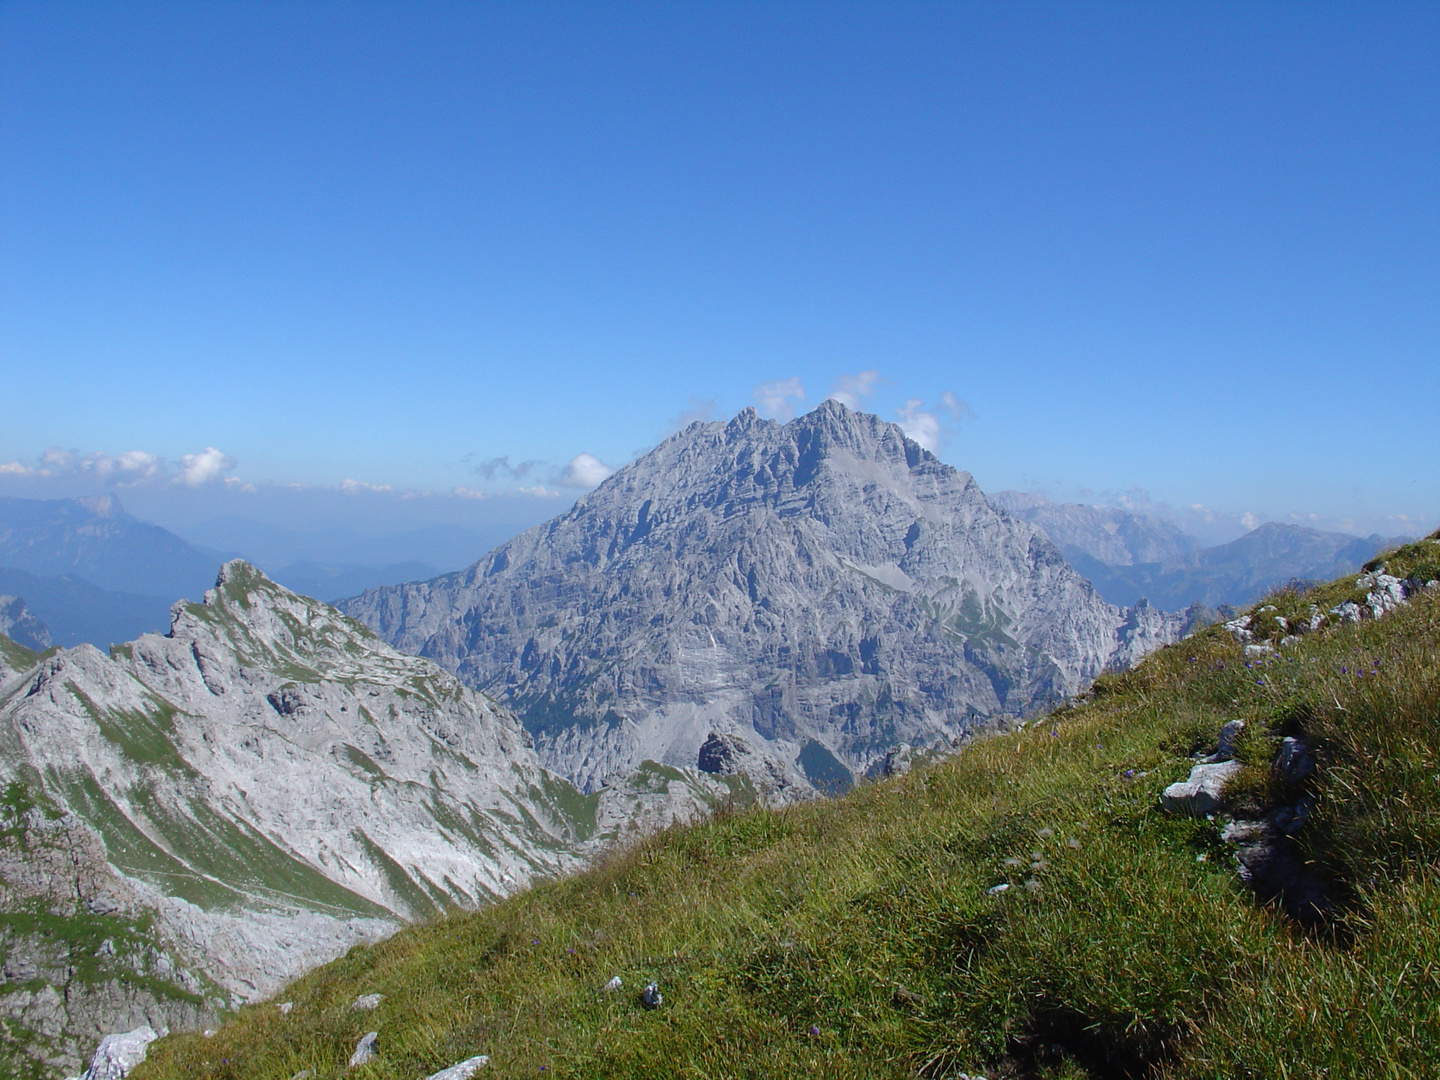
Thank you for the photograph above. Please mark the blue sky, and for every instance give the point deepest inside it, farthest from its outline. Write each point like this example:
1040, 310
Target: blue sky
1186, 251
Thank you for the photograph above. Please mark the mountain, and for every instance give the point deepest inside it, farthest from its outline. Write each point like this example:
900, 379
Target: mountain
823, 590
96, 540
76, 611
1128, 557
1100, 533
20, 625
195, 818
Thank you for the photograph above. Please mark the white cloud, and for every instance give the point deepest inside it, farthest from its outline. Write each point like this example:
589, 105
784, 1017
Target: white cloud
359, 487
777, 398
501, 467
538, 492
1249, 520
923, 427
126, 470
584, 471
205, 467
852, 390
957, 407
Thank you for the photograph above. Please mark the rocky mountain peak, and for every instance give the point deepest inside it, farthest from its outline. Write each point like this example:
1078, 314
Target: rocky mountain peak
822, 589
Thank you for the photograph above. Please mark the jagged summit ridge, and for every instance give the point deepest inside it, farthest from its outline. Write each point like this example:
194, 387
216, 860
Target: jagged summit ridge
824, 588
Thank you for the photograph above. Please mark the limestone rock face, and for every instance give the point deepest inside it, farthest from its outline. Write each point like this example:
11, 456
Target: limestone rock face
824, 590
197, 818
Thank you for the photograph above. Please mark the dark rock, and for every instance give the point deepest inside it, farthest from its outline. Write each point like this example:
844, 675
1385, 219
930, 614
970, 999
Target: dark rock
1294, 761
651, 997
723, 754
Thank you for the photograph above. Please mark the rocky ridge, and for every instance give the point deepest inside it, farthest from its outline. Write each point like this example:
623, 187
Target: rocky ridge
822, 590
199, 817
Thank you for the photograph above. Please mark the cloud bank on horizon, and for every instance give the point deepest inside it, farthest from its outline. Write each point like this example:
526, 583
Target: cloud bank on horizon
62, 473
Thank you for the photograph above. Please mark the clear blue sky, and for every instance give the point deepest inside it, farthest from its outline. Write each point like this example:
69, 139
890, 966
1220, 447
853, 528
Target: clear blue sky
1188, 248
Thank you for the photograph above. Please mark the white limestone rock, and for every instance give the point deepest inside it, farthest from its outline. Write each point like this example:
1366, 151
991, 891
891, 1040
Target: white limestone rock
117, 1055
1201, 792
364, 1049
463, 1071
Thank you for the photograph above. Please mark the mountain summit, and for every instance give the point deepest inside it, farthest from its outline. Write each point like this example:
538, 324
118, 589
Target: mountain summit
824, 590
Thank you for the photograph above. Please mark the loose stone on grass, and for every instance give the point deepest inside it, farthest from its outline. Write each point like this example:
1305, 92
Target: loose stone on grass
1200, 793
463, 1071
364, 1049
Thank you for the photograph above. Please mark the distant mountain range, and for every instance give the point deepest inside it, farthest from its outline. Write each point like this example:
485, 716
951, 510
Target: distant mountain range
822, 591
1128, 557
94, 539
93, 573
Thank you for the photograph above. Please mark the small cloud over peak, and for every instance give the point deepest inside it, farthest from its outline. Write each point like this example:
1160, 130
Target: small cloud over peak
957, 407
852, 390
1249, 520
205, 467
925, 425
699, 410
777, 398
501, 469
584, 471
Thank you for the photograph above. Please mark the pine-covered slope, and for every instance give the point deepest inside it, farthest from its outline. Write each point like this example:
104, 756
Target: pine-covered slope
825, 589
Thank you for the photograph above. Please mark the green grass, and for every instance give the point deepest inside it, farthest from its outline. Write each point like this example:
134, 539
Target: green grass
860, 937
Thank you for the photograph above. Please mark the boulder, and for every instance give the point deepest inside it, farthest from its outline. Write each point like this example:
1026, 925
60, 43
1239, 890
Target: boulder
364, 1049
463, 1071
1200, 793
1294, 761
1225, 745
117, 1055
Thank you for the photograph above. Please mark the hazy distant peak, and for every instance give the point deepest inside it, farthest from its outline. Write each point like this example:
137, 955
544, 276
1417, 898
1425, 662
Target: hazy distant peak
105, 506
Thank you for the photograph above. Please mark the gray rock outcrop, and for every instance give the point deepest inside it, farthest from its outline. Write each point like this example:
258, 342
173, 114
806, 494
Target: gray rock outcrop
824, 590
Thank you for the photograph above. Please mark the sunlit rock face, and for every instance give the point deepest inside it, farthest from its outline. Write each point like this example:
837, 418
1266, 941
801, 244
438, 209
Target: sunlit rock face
825, 589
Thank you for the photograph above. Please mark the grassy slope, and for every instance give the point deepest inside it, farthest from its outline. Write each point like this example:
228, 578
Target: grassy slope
857, 937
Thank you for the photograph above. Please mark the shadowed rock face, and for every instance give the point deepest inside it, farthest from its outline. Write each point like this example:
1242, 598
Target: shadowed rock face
823, 581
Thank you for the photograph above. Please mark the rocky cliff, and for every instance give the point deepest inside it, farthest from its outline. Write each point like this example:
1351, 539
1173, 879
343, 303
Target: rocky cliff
823, 590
